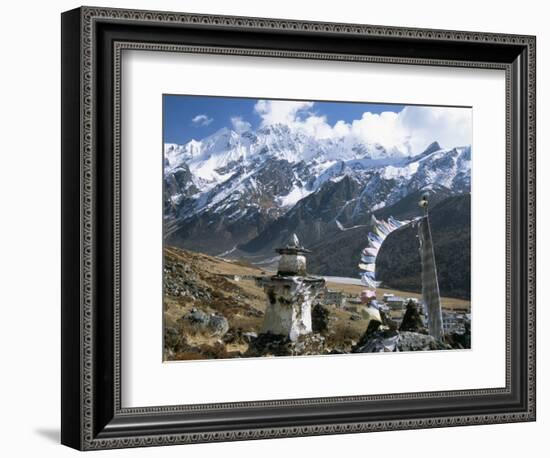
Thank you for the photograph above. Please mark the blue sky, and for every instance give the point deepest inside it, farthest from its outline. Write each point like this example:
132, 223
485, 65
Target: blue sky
187, 117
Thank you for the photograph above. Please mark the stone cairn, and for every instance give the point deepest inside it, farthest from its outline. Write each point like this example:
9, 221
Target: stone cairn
290, 294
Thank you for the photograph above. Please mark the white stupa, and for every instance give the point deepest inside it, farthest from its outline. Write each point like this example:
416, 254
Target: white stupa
290, 293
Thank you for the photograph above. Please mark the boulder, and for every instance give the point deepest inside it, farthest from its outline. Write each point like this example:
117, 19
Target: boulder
377, 341
319, 318
217, 326
414, 341
390, 340
412, 321
199, 323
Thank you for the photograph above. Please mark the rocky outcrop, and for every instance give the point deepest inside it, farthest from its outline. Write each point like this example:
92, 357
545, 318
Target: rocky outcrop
312, 218
181, 280
386, 340
460, 341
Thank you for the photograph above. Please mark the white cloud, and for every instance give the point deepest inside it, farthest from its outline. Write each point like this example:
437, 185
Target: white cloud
385, 129
409, 131
201, 120
446, 125
280, 111
239, 125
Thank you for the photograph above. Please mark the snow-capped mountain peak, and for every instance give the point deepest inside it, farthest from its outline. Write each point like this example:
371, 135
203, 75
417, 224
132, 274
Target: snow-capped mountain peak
257, 176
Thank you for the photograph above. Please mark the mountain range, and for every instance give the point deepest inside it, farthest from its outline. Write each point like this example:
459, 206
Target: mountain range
243, 194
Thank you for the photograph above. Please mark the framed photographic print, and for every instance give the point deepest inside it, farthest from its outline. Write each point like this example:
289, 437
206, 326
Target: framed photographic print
278, 228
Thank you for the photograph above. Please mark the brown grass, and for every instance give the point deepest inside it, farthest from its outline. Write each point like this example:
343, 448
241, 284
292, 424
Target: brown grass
235, 299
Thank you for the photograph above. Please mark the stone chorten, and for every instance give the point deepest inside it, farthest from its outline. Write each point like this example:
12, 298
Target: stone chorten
290, 293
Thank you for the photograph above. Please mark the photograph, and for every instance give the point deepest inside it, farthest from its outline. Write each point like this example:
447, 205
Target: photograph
314, 227
277, 221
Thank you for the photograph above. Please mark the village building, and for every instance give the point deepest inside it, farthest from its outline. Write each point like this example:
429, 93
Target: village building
455, 322
394, 302
335, 298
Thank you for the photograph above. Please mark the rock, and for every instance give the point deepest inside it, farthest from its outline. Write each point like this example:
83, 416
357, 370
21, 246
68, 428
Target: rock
237, 336
173, 340
180, 281
249, 336
372, 327
319, 318
268, 344
460, 341
389, 340
412, 321
414, 341
388, 321
377, 341
197, 322
194, 321
217, 326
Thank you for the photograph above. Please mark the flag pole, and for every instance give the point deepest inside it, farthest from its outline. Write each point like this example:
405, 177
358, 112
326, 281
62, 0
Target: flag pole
430, 285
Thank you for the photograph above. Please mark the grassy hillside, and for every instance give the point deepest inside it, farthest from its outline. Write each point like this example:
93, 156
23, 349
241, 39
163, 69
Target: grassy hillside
213, 285
195, 281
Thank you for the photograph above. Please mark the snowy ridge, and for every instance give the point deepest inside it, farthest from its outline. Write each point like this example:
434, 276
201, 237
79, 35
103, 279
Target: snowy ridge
274, 169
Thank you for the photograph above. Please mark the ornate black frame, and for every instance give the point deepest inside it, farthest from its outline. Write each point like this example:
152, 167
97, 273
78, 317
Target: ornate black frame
92, 42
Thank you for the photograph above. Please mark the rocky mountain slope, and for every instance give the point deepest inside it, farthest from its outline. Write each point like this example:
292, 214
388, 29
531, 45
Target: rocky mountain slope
398, 263
240, 195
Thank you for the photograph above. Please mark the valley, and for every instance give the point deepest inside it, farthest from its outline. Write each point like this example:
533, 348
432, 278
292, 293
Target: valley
241, 195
